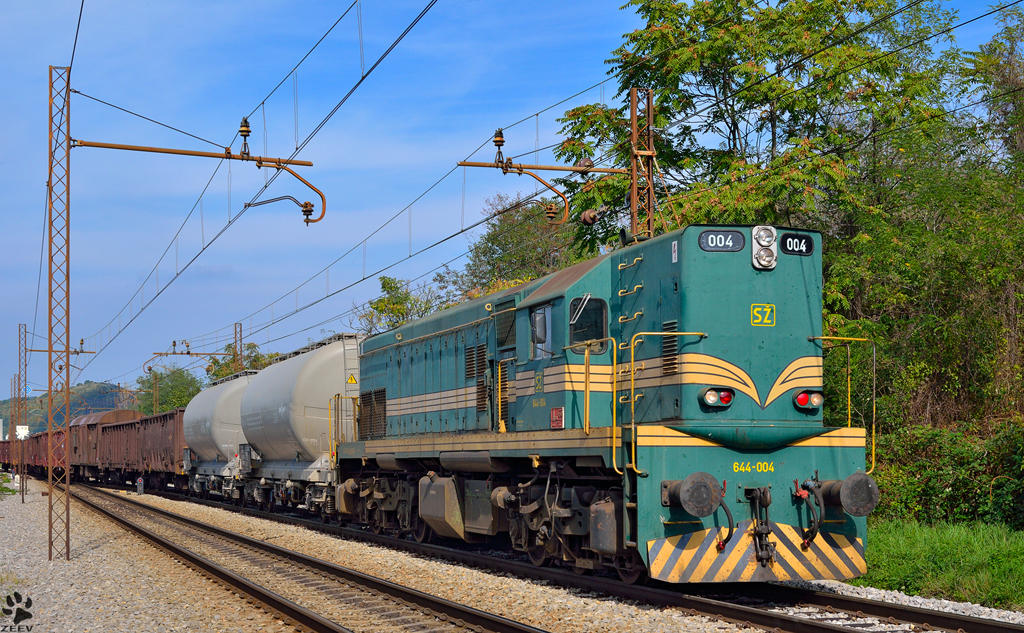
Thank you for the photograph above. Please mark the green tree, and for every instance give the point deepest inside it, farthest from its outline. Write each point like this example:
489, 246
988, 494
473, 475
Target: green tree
224, 366
400, 302
757, 112
174, 385
999, 68
518, 245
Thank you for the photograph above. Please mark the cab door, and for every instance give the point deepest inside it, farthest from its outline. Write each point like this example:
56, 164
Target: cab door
504, 334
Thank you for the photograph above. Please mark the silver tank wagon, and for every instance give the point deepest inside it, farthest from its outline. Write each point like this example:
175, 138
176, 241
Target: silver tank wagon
294, 413
213, 432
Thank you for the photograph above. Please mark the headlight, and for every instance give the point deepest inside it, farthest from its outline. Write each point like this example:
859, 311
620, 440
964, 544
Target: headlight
711, 397
765, 257
817, 399
764, 236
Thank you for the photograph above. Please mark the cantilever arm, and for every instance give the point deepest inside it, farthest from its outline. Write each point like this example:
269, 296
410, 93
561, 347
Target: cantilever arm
565, 201
323, 200
519, 168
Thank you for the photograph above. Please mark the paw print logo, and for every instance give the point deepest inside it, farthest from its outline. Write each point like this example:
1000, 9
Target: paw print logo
12, 605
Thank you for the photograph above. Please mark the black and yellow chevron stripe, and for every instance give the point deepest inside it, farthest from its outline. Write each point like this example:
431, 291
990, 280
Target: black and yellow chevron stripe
695, 558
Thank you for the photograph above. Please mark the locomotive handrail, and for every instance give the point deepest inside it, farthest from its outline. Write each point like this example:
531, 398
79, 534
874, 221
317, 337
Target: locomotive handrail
874, 384
632, 382
635, 262
586, 389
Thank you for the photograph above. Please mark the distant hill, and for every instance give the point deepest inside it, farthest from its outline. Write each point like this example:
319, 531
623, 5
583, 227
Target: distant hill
87, 397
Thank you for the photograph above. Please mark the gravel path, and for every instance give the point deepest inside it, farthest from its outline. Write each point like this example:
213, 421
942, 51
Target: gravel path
536, 603
896, 597
114, 583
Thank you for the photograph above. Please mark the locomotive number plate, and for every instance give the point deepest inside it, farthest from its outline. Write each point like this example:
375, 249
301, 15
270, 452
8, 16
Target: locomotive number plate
796, 244
753, 467
721, 241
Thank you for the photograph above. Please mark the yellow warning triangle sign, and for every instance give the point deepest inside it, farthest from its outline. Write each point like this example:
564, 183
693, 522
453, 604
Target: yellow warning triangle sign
351, 379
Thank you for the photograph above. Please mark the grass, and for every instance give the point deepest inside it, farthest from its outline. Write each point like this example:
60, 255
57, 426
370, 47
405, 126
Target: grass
4, 490
967, 562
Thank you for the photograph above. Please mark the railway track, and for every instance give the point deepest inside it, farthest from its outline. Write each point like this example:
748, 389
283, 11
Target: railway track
767, 606
311, 594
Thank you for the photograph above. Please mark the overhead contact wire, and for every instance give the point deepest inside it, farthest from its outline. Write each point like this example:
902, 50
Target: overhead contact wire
260, 192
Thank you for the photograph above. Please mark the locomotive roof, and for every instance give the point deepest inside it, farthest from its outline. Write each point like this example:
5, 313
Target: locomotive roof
535, 292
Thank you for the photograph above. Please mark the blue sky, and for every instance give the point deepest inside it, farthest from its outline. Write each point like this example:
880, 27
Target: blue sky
466, 69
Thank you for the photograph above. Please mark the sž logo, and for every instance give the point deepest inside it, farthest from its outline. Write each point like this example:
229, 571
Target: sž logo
13, 605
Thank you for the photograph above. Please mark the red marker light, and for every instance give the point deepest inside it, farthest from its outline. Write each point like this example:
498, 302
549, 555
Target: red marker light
724, 397
803, 398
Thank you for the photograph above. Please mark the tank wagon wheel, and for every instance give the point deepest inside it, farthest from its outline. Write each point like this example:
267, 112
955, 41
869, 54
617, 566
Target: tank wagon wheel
422, 532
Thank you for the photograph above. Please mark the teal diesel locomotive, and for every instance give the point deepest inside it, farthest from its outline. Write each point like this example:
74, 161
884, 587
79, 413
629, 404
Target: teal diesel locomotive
655, 410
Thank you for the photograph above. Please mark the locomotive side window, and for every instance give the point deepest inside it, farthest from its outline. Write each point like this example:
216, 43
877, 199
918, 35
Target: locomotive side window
540, 332
588, 321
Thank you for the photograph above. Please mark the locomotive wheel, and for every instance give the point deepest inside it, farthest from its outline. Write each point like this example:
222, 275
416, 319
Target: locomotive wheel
422, 532
538, 556
325, 518
376, 521
631, 576
635, 574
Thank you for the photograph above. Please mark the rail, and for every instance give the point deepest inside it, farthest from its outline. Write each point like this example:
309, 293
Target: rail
663, 596
453, 610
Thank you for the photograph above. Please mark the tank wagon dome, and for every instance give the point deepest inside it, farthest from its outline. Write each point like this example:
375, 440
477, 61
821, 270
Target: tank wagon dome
213, 420
286, 407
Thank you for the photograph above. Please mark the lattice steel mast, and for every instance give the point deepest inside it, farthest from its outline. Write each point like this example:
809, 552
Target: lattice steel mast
59, 339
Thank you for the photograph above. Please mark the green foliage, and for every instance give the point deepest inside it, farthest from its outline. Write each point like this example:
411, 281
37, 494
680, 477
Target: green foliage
224, 366
999, 66
175, 387
934, 475
4, 488
969, 562
786, 118
400, 303
517, 246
